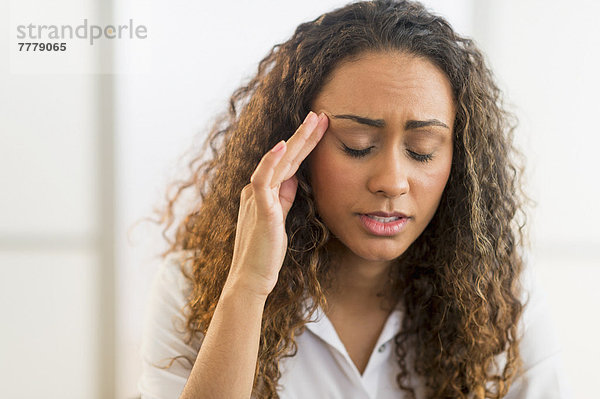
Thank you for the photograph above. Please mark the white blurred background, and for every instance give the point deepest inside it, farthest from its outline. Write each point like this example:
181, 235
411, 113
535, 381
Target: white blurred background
84, 155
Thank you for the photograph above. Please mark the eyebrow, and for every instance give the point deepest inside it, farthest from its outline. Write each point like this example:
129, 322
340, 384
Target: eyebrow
410, 124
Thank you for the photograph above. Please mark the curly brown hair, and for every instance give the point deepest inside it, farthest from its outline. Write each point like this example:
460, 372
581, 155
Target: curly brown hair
458, 282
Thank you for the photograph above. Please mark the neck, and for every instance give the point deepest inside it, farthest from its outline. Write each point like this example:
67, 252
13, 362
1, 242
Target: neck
359, 283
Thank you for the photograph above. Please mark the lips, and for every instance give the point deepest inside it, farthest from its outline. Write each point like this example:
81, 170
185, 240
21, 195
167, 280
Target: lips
379, 226
384, 220
386, 214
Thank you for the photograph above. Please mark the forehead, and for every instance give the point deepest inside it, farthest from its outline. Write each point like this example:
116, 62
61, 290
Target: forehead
388, 84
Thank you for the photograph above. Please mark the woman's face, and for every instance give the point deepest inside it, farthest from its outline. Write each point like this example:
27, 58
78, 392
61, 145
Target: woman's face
398, 111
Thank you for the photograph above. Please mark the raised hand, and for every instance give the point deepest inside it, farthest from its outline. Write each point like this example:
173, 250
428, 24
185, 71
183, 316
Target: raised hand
260, 239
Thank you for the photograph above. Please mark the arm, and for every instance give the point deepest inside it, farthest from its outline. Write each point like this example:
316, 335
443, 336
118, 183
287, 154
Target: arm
226, 362
225, 358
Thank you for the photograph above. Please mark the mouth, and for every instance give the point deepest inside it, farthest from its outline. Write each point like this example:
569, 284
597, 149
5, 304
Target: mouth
383, 226
381, 215
384, 219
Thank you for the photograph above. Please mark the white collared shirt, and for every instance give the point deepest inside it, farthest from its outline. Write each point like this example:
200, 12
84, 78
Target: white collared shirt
322, 367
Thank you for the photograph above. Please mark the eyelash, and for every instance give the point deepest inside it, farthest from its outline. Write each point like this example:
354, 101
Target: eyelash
361, 153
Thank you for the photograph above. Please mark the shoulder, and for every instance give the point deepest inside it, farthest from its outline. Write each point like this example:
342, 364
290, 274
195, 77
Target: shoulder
542, 374
168, 296
170, 288
539, 339
170, 274
164, 335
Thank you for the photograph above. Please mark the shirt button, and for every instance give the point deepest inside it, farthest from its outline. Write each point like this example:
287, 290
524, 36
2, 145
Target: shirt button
381, 348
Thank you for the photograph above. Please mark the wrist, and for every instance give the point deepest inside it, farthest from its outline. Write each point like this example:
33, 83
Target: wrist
245, 291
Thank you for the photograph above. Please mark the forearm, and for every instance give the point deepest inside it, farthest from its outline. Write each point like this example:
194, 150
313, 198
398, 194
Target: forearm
226, 362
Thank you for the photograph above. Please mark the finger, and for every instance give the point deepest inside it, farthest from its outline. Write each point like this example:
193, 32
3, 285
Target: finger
294, 144
311, 143
300, 145
263, 175
287, 193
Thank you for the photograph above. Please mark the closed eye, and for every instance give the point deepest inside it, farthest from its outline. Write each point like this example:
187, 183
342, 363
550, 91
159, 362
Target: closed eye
356, 153
420, 157
361, 153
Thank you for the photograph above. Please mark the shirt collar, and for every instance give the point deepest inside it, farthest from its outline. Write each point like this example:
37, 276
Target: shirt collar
321, 326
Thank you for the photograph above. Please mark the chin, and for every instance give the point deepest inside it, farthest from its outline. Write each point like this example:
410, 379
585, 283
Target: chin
382, 258
374, 255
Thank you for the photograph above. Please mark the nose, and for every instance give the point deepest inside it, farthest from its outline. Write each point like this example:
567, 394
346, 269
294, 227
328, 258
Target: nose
389, 174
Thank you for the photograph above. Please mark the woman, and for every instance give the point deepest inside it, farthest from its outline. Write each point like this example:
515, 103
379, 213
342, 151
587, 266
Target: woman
359, 232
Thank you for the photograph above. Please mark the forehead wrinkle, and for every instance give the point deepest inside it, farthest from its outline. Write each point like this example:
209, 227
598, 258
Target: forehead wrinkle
357, 87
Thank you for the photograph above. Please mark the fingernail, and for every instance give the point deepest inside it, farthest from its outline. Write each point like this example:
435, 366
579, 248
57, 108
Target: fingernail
278, 147
310, 117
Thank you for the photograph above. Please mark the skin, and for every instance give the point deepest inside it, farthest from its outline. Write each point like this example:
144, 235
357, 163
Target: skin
396, 88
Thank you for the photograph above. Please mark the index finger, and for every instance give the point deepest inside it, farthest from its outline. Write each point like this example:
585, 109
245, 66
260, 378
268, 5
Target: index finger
299, 146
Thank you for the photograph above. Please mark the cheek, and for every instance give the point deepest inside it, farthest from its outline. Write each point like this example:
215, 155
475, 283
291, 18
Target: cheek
333, 178
430, 185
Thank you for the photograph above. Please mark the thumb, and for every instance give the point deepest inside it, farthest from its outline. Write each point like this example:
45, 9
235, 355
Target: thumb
287, 193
